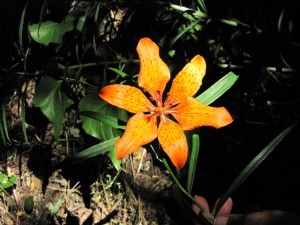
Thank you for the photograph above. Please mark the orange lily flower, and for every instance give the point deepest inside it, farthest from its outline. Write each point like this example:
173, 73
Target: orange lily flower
142, 128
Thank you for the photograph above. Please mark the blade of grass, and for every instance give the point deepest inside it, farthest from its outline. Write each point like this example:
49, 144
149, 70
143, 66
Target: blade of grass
2, 133
95, 150
218, 89
4, 121
173, 41
204, 211
253, 165
23, 122
193, 162
21, 26
121, 73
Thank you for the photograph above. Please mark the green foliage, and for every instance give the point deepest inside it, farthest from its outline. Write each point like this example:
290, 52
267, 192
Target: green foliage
3, 126
218, 89
50, 32
100, 119
97, 149
193, 159
253, 164
52, 101
29, 204
7, 181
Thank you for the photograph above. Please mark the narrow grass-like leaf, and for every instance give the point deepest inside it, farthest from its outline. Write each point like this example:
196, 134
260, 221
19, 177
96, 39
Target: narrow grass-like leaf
253, 165
180, 8
193, 162
121, 73
217, 89
204, 211
173, 41
95, 150
202, 5
21, 26
4, 121
2, 133
23, 122
109, 120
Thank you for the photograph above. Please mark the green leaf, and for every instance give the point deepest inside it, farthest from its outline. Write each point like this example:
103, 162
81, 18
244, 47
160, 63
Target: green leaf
50, 32
217, 89
109, 120
52, 101
95, 150
121, 73
255, 162
193, 162
6, 182
103, 128
28, 205
116, 162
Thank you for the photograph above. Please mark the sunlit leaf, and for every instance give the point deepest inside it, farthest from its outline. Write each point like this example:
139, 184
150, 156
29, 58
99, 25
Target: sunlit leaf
217, 89
120, 72
103, 128
116, 162
193, 162
95, 150
50, 32
52, 101
109, 120
6, 182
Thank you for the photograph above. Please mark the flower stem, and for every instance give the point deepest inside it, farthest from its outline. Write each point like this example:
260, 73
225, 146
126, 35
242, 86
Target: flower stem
203, 210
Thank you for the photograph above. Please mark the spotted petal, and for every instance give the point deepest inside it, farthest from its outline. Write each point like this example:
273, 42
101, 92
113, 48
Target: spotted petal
154, 73
188, 81
126, 97
140, 130
192, 114
173, 141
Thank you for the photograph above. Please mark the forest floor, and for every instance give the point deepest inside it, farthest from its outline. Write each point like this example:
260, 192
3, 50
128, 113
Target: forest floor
52, 190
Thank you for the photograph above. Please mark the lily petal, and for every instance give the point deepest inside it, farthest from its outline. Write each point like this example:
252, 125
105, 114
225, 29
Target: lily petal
140, 130
188, 81
154, 73
192, 114
126, 97
173, 141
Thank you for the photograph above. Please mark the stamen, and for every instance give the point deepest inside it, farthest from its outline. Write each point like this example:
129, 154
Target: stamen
151, 108
159, 99
163, 118
171, 111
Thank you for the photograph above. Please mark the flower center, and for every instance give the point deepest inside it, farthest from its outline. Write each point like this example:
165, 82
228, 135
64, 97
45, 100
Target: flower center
160, 110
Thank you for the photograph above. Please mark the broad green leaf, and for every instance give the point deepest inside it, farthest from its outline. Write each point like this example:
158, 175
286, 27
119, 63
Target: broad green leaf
109, 120
193, 162
95, 150
52, 101
29, 204
217, 89
50, 32
255, 162
6, 182
102, 128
